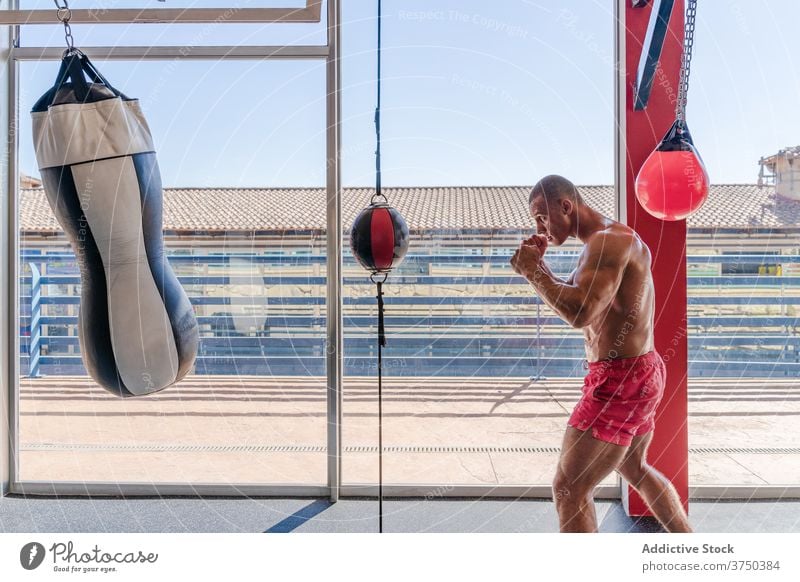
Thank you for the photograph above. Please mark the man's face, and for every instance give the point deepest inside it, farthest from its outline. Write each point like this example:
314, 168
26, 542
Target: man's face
554, 223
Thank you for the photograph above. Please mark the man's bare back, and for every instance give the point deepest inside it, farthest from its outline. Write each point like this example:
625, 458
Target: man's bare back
624, 329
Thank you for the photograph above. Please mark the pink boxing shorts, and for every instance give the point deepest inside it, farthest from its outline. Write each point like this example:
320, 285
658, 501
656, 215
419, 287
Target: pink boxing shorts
620, 397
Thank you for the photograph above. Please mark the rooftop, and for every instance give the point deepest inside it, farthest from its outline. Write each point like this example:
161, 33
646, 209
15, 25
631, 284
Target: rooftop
790, 153
745, 206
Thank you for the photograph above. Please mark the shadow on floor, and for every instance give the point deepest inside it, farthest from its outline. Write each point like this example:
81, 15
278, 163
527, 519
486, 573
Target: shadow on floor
616, 520
299, 517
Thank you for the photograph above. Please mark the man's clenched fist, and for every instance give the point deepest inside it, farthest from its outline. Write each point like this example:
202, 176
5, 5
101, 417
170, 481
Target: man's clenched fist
529, 255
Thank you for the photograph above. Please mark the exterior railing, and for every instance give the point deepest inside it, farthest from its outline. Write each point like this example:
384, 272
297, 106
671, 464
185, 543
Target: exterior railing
447, 315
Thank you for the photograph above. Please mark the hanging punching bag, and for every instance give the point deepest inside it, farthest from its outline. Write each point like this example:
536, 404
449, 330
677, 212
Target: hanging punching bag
137, 329
673, 183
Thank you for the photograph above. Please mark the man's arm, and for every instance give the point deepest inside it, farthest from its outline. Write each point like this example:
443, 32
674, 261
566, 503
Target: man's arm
570, 280
592, 286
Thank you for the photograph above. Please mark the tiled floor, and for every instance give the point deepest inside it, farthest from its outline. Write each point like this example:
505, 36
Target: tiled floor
460, 431
18, 514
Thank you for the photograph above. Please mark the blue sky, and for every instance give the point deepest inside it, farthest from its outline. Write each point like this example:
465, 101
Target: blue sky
474, 93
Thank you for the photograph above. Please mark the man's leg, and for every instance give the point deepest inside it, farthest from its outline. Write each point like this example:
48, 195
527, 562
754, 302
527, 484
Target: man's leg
657, 491
584, 463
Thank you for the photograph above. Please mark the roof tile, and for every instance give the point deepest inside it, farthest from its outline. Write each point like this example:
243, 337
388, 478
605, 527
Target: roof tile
451, 207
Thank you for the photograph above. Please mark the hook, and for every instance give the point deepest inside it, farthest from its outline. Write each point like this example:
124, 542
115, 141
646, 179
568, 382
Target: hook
374, 277
378, 195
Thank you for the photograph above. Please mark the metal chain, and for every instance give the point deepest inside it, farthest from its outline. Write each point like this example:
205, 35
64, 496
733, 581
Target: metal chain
686, 60
64, 15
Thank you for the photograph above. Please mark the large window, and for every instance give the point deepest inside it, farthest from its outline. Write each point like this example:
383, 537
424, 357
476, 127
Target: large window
743, 288
248, 414
480, 376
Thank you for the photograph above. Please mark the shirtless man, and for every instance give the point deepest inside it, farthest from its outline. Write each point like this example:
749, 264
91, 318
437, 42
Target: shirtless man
610, 297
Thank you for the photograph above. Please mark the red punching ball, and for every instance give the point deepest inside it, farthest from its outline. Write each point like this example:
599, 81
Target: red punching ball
673, 183
379, 238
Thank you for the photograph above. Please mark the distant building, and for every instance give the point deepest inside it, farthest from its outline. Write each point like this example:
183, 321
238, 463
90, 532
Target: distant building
27, 182
253, 261
781, 171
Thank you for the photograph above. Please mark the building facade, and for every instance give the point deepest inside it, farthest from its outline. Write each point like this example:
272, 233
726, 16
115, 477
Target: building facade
253, 263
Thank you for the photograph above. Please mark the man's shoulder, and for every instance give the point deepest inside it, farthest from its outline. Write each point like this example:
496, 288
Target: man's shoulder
615, 235
616, 246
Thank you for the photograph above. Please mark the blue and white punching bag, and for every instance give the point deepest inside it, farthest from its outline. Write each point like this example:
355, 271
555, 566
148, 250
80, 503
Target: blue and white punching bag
137, 329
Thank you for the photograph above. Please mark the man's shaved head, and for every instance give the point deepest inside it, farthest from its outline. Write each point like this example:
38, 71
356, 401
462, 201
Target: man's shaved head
555, 204
554, 188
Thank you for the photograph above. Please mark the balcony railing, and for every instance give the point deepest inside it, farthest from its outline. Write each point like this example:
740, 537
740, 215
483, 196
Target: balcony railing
447, 315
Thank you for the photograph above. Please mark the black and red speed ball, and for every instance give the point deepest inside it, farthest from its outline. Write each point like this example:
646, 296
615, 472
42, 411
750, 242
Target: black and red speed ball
379, 238
673, 183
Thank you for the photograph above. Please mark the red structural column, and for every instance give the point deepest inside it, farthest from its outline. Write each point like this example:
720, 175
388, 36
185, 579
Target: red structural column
667, 241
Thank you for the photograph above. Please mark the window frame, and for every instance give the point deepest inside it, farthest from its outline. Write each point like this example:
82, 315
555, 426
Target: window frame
330, 52
9, 440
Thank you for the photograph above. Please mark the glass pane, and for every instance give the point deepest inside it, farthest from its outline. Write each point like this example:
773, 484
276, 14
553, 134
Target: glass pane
222, 33
743, 266
253, 410
480, 377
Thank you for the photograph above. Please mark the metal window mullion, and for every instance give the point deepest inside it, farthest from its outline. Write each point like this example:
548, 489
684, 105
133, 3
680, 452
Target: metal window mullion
620, 151
233, 15
12, 248
421, 490
299, 52
162, 489
620, 142
334, 341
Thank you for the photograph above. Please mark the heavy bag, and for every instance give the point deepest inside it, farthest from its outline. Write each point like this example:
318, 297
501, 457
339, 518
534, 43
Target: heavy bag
137, 330
672, 184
